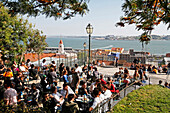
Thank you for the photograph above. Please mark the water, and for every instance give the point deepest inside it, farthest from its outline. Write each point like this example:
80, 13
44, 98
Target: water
154, 47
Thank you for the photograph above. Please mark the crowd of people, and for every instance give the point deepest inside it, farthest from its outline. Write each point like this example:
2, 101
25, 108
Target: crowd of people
80, 83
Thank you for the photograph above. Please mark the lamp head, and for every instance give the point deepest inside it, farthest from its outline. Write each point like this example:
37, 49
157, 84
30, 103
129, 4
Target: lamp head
89, 29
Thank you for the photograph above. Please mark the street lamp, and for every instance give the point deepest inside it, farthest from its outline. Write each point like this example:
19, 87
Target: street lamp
89, 30
84, 53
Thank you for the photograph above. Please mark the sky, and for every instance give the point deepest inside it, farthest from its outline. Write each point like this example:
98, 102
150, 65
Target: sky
103, 16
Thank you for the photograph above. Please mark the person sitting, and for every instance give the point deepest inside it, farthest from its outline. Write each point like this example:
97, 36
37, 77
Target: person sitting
165, 69
44, 65
70, 106
23, 67
95, 74
46, 101
126, 79
2, 71
53, 64
96, 99
44, 83
19, 84
52, 75
160, 83
8, 75
33, 72
166, 85
59, 98
101, 95
160, 69
132, 67
107, 92
136, 74
10, 95
28, 63
101, 79
65, 78
103, 64
111, 87
94, 85
66, 90
155, 71
149, 68
83, 90
35, 93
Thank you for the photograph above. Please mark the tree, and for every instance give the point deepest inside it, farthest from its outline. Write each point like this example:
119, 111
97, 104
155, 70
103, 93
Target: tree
14, 35
50, 8
145, 14
36, 43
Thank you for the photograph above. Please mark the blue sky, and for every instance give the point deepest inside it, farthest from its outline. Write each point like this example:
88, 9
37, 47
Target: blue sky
103, 16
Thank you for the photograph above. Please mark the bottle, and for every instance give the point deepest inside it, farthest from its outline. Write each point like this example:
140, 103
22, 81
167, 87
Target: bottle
85, 97
21, 95
119, 81
27, 78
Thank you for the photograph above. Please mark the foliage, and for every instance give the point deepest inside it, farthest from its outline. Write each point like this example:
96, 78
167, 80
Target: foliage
150, 98
36, 42
50, 8
15, 34
145, 14
144, 39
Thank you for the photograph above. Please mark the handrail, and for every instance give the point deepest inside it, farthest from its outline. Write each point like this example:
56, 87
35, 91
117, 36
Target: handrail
98, 105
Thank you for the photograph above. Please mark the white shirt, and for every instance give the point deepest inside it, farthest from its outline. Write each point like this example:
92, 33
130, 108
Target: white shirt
70, 91
79, 69
11, 95
22, 68
43, 64
96, 102
101, 97
57, 97
107, 94
92, 86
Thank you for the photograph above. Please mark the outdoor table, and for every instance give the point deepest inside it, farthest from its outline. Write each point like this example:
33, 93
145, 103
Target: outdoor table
84, 105
119, 86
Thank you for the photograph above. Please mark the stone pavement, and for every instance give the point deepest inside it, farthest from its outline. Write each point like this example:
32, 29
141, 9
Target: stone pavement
154, 78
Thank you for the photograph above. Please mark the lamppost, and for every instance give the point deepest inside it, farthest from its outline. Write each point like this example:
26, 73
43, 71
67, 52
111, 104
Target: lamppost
89, 30
84, 53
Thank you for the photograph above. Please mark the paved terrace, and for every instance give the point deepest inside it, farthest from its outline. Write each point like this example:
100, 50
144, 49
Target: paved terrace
153, 77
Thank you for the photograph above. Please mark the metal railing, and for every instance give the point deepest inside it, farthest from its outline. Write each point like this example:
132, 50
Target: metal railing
107, 105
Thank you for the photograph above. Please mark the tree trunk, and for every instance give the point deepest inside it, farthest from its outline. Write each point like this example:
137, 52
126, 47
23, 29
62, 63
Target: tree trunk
22, 55
39, 61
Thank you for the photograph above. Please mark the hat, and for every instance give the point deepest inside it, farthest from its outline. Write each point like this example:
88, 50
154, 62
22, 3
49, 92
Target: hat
44, 76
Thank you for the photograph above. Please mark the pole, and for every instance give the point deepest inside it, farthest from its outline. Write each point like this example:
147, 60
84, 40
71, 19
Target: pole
89, 51
84, 57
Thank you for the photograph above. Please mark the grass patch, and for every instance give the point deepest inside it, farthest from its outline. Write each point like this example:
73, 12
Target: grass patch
149, 99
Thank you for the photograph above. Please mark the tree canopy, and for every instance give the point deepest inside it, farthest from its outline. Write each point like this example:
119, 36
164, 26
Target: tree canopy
146, 15
50, 8
15, 35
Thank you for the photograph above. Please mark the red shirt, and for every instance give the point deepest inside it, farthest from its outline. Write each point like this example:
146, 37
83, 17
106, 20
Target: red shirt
102, 81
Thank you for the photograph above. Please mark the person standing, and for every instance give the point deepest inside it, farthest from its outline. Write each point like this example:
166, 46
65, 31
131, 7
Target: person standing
116, 61
168, 72
61, 68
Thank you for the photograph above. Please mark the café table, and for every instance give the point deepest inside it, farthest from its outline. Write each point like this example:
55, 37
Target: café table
84, 103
